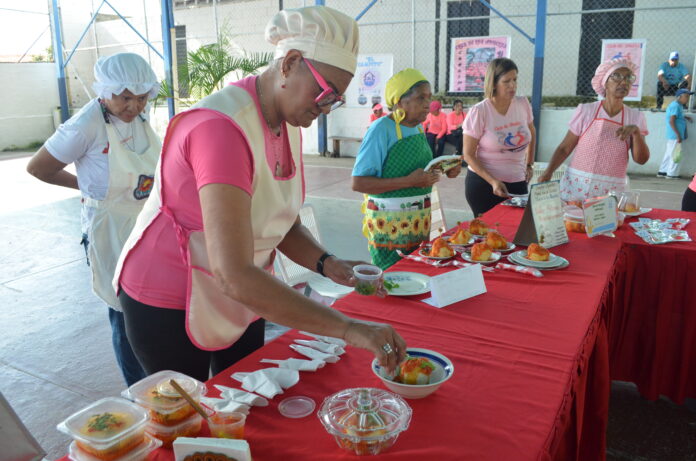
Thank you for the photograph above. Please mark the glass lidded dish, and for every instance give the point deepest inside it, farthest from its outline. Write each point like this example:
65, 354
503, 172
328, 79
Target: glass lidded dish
365, 421
574, 219
108, 429
163, 402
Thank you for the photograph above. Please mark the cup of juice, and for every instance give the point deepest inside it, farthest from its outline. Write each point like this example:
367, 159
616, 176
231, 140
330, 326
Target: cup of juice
227, 425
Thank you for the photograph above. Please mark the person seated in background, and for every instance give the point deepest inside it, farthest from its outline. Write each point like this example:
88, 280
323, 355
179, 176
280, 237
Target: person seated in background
689, 199
377, 112
499, 140
603, 135
671, 76
676, 133
455, 119
436, 128
389, 169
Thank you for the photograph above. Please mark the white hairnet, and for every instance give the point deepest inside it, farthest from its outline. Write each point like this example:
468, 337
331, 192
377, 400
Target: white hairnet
124, 71
320, 33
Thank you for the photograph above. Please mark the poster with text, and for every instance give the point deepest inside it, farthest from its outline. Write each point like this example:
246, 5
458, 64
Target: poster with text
633, 50
371, 75
469, 59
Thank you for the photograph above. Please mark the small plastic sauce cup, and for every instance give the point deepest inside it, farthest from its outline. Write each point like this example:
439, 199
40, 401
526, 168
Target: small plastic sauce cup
367, 279
227, 425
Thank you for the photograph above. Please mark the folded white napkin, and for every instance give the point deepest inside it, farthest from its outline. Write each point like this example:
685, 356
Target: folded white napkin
326, 339
238, 395
268, 382
224, 405
297, 364
314, 354
327, 348
236, 449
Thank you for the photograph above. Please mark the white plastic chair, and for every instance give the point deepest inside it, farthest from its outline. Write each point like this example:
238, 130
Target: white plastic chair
298, 276
437, 214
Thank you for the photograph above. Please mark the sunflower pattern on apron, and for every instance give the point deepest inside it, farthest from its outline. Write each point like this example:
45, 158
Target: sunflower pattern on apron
399, 219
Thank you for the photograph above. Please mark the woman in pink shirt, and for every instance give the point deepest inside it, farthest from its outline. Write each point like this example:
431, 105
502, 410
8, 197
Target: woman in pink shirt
195, 276
377, 112
455, 120
499, 140
689, 199
436, 128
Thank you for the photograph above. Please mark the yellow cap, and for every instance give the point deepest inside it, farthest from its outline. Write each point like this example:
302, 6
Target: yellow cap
396, 87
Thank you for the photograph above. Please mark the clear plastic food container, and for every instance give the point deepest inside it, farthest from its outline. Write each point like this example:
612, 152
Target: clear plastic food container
162, 401
139, 453
107, 429
190, 427
365, 421
574, 219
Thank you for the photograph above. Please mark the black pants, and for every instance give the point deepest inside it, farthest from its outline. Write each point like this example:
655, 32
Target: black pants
158, 338
670, 91
689, 200
433, 141
479, 194
455, 138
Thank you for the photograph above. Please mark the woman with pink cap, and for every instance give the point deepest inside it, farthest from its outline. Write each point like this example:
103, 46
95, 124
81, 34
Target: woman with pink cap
602, 134
436, 128
377, 112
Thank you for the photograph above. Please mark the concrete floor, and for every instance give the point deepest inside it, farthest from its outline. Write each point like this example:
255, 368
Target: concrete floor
55, 350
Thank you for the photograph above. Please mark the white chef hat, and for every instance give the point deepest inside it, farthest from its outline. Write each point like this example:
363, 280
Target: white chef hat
320, 33
124, 71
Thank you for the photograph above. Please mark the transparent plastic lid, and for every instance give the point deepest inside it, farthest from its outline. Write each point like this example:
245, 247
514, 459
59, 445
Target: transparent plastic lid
157, 393
365, 414
105, 421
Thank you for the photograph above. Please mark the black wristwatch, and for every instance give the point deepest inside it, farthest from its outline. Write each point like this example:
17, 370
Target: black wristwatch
320, 263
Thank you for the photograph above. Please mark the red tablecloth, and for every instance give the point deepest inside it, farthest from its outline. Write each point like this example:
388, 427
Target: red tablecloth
651, 317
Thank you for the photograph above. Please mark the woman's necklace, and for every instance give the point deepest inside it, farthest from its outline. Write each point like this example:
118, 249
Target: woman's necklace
276, 144
125, 139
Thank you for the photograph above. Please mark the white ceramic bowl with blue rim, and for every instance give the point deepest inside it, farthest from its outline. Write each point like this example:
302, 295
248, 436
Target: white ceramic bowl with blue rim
444, 369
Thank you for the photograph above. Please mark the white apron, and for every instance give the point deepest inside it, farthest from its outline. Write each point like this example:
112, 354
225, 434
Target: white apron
215, 321
599, 163
130, 182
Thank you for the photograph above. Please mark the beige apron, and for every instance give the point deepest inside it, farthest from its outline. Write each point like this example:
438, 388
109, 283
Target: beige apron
215, 321
130, 183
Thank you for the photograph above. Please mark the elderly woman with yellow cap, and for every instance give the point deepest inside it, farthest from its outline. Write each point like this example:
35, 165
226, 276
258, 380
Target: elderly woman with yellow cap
195, 277
390, 170
601, 135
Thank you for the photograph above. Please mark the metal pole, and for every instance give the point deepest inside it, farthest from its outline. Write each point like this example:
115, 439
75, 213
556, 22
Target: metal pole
167, 25
538, 76
58, 59
147, 33
215, 16
413, 33
367, 8
322, 140
94, 36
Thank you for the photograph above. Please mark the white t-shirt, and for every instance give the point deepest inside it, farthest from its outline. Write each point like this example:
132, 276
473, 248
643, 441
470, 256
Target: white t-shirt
82, 140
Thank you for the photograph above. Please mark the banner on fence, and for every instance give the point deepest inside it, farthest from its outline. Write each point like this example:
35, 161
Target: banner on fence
469, 59
371, 75
633, 50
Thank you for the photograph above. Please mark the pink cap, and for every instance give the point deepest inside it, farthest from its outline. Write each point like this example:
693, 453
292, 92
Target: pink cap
605, 69
377, 107
435, 105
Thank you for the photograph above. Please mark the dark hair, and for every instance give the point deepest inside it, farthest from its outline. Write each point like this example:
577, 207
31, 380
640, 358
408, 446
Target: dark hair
373, 105
496, 69
457, 101
411, 90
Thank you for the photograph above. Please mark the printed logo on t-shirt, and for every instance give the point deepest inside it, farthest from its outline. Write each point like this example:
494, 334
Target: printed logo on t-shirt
144, 187
512, 137
106, 149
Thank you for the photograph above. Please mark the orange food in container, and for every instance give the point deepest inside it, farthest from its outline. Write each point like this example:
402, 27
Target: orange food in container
168, 434
108, 429
574, 219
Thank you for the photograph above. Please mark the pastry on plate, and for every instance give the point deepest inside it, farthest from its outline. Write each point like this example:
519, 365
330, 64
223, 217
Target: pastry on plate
441, 249
537, 253
478, 227
461, 237
481, 252
496, 241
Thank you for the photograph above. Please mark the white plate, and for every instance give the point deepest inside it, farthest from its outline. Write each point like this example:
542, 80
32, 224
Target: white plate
564, 263
636, 213
446, 162
471, 241
425, 253
410, 283
520, 257
495, 257
510, 246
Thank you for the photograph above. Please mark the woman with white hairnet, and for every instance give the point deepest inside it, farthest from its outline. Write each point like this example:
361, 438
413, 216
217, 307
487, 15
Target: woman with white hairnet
195, 276
115, 152
602, 134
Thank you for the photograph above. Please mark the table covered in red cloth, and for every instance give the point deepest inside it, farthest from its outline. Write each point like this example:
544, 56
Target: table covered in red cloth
652, 307
530, 376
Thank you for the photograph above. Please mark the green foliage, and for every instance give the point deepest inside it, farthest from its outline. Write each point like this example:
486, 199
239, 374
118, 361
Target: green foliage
32, 146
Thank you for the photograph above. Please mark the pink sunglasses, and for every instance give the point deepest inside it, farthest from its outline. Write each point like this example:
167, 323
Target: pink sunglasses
328, 96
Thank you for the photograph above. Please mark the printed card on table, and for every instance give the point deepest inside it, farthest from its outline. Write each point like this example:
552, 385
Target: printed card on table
542, 221
455, 286
600, 215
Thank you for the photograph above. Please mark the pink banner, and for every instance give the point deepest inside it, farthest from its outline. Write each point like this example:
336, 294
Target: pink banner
634, 51
469, 59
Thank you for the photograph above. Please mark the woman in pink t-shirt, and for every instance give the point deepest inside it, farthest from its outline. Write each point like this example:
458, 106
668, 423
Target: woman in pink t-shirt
689, 199
436, 128
602, 135
377, 112
499, 140
455, 120
228, 193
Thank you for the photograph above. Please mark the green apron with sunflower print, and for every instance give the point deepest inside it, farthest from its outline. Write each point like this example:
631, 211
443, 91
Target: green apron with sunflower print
399, 219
